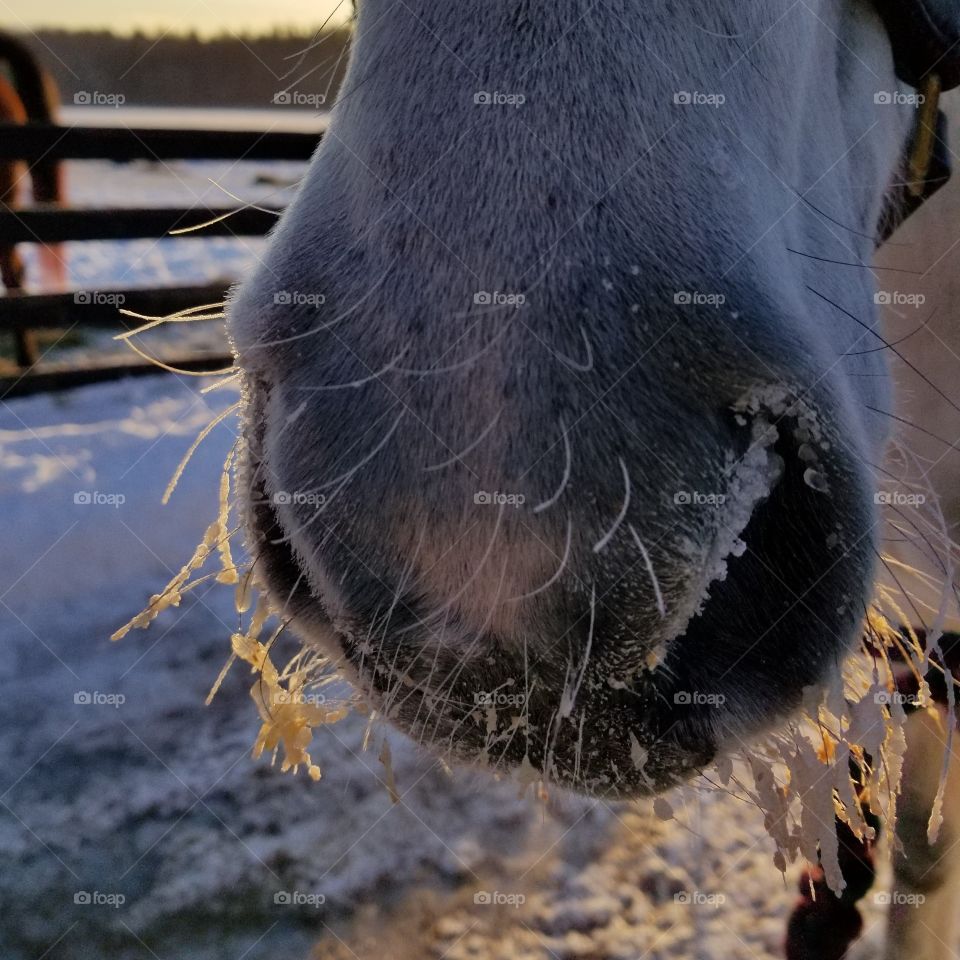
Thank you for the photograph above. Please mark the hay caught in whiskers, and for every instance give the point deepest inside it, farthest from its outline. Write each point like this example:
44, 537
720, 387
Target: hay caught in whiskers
801, 772
288, 699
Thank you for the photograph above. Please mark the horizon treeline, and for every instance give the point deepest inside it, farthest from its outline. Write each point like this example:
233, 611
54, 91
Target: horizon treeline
286, 67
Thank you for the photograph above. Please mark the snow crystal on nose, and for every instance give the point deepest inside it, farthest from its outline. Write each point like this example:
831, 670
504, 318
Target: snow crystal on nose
747, 481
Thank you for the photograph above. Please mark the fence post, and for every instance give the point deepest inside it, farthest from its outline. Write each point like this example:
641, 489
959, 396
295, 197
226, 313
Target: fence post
13, 272
25, 345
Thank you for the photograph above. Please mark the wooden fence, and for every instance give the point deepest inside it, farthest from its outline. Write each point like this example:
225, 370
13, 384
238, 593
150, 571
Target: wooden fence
24, 314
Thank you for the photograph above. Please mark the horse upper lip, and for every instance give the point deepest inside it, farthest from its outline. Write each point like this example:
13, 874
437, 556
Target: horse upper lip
275, 566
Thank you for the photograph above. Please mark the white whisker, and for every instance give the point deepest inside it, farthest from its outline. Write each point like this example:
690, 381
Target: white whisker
611, 533
567, 468
661, 606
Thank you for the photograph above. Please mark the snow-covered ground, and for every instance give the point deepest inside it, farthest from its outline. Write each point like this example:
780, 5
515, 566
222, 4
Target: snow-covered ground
133, 822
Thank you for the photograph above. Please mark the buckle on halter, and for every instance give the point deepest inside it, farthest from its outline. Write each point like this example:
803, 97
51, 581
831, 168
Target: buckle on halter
922, 153
927, 165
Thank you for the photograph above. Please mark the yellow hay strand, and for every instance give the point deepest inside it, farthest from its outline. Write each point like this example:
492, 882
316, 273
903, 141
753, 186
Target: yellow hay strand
173, 592
228, 573
800, 773
204, 433
287, 699
169, 369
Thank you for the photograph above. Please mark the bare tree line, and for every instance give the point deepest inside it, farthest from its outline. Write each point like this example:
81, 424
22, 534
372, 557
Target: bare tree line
283, 68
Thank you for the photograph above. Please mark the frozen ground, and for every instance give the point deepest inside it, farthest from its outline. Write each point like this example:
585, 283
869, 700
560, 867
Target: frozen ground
117, 783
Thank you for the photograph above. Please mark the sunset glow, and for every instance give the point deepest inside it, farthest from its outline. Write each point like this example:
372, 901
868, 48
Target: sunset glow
224, 16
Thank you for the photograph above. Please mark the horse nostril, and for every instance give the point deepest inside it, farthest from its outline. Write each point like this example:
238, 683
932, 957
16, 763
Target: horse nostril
790, 601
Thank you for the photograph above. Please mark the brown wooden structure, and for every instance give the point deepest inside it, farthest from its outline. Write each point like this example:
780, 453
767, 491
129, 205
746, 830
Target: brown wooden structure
24, 313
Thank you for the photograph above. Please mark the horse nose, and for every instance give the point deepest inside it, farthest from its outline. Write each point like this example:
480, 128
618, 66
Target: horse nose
620, 516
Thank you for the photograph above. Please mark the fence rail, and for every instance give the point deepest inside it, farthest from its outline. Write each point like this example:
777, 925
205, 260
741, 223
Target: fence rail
54, 224
100, 308
56, 376
50, 141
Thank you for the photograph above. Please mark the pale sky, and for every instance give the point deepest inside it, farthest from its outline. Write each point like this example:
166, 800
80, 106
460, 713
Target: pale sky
205, 16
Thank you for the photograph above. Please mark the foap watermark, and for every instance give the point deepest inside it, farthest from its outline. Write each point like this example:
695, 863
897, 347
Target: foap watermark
697, 98
898, 899
697, 298
897, 498
299, 697
496, 98
97, 498
494, 898
284, 498
896, 298
98, 298
697, 898
298, 98
97, 98
696, 698
486, 298
97, 898
888, 698
298, 898
898, 98
694, 498
298, 298
94, 698
499, 698
497, 499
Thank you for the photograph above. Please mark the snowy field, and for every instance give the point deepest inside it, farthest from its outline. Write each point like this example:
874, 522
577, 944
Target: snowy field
133, 822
